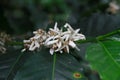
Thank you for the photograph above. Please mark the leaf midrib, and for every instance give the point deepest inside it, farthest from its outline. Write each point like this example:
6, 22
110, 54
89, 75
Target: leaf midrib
108, 53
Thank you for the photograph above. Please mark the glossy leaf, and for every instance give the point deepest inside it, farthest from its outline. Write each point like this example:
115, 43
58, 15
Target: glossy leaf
105, 58
43, 66
6, 62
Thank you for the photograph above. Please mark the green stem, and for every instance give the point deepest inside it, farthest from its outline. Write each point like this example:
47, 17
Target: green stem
14, 43
87, 40
100, 38
107, 35
53, 70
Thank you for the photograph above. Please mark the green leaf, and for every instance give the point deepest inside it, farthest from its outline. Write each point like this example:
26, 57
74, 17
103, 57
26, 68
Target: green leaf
43, 66
6, 62
105, 58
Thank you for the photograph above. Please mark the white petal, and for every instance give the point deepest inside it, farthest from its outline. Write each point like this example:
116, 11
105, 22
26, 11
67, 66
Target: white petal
31, 46
68, 26
75, 38
23, 50
37, 44
59, 44
44, 37
26, 41
53, 30
114, 5
51, 42
72, 44
55, 27
51, 51
78, 37
61, 51
35, 32
57, 36
76, 31
67, 49
66, 37
66, 32
81, 36
36, 37
48, 39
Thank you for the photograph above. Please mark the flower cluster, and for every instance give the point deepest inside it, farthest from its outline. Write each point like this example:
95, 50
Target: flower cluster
113, 7
2, 48
4, 38
56, 39
35, 41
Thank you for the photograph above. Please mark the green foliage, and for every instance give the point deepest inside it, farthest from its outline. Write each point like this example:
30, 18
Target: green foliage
104, 57
42, 66
6, 62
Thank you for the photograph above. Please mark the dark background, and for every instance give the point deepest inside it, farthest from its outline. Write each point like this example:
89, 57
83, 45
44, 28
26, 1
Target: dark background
19, 17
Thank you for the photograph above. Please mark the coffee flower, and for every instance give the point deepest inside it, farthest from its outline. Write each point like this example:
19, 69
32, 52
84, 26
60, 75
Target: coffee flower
62, 40
2, 48
113, 7
56, 39
4, 38
36, 41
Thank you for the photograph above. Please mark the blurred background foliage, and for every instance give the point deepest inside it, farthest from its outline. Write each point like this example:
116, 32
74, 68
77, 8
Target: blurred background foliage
22, 16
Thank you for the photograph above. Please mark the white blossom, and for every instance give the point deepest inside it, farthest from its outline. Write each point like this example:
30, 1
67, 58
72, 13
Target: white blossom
56, 39
36, 41
113, 7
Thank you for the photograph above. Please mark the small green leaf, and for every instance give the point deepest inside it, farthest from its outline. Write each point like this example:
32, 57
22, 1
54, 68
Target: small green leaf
105, 58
